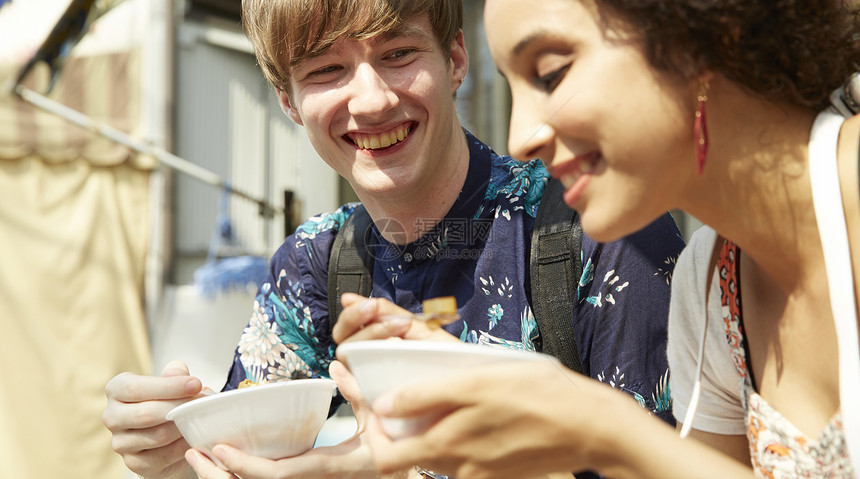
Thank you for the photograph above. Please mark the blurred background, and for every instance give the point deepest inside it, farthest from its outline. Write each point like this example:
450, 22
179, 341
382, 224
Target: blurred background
112, 260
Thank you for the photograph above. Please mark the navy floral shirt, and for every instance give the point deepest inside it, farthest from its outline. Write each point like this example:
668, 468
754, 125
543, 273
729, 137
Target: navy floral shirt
478, 253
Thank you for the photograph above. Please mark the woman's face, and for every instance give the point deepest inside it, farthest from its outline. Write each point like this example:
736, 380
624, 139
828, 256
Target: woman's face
616, 132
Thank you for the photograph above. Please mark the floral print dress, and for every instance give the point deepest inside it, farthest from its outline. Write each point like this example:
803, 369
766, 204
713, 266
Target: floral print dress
777, 448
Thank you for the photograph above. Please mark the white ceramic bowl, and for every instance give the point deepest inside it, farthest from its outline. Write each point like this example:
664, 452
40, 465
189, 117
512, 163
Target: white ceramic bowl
273, 420
383, 365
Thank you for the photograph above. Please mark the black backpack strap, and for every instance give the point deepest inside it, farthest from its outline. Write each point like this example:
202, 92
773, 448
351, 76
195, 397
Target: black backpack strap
555, 268
350, 265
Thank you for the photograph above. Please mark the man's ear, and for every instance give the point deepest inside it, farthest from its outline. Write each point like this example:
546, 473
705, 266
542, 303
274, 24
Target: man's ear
287, 106
459, 60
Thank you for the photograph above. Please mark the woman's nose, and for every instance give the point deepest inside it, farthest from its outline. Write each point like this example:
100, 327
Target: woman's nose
529, 137
371, 92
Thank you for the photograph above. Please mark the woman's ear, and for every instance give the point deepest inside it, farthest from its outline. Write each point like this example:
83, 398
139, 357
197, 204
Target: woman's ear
287, 106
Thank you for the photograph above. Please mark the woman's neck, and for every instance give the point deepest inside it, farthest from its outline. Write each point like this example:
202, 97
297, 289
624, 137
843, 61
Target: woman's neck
756, 190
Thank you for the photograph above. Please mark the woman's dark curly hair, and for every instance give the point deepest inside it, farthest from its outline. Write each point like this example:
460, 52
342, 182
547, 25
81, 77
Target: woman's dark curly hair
785, 51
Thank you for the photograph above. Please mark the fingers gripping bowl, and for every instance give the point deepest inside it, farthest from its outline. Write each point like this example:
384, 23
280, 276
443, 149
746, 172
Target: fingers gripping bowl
274, 420
381, 366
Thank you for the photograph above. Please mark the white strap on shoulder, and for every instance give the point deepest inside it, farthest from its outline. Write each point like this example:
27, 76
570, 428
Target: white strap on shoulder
827, 199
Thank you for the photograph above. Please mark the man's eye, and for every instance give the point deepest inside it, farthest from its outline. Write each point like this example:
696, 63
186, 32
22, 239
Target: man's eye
325, 70
401, 53
551, 80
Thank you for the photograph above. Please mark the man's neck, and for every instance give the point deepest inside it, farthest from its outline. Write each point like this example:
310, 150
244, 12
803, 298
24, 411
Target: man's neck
408, 216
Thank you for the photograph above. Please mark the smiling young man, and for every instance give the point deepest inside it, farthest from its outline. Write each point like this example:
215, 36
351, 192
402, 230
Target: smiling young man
373, 83
356, 96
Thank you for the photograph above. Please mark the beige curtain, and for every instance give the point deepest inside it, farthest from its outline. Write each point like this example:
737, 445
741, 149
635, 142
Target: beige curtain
73, 236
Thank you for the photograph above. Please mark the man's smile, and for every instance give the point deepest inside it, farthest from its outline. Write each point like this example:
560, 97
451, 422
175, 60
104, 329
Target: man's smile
375, 141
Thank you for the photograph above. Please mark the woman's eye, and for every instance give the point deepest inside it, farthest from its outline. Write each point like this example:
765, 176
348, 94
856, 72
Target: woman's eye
549, 81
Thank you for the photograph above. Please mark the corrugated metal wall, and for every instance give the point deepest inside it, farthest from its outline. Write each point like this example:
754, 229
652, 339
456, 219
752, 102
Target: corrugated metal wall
228, 120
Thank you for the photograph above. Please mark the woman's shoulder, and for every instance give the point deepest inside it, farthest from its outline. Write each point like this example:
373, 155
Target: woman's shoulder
853, 121
849, 179
849, 140
848, 152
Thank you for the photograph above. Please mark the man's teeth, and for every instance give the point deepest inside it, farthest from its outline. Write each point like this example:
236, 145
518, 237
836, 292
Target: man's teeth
384, 140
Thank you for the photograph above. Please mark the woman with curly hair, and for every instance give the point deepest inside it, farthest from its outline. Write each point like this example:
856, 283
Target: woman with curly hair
735, 112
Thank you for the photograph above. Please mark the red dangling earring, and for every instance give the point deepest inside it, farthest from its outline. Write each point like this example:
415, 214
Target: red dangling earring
700, 128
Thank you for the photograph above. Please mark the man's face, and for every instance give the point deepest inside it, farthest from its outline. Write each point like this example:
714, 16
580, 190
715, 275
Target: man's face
380, 111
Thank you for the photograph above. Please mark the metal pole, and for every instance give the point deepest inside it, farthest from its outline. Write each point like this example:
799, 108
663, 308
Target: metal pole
167, 158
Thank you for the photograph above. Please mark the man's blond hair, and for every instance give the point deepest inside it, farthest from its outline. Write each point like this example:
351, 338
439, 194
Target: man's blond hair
285, 32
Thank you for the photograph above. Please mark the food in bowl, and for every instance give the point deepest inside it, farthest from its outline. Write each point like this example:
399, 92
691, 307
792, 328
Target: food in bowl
246, 383
380, 366
274, 420
440, 305
437, 312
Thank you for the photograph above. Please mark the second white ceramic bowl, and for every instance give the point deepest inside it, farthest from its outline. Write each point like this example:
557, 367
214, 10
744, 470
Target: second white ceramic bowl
380, 366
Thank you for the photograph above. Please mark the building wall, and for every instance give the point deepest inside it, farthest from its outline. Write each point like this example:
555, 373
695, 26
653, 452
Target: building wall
227, 119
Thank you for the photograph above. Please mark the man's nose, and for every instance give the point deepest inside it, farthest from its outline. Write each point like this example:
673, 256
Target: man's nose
371, 92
